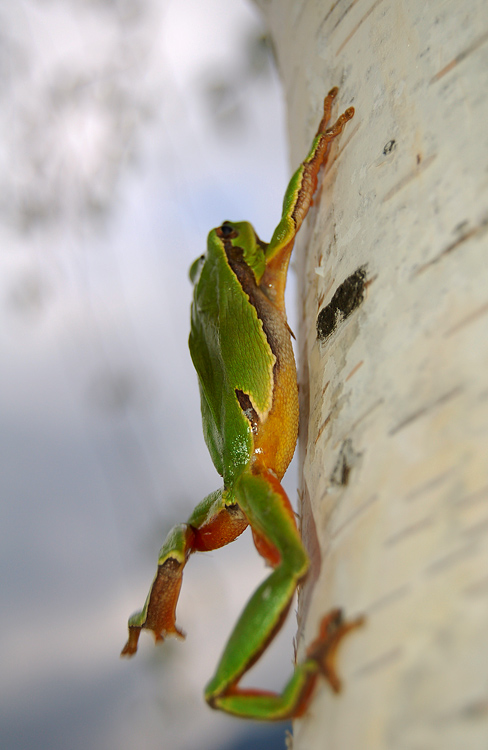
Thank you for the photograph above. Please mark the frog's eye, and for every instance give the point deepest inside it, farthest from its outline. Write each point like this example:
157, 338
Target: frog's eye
196, 268
227, 231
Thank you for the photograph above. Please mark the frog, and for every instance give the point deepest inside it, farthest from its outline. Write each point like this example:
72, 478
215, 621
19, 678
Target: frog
241, 347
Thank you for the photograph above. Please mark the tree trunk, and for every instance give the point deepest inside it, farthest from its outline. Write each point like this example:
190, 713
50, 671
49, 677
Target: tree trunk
393, 265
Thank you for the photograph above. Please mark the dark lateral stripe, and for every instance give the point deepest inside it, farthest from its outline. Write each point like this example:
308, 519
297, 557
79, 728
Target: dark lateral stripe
263, 306
248, 409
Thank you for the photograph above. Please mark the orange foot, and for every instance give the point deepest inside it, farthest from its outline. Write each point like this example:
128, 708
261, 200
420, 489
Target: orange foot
323, 650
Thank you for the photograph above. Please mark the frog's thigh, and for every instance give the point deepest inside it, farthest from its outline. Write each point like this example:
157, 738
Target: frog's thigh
272, 519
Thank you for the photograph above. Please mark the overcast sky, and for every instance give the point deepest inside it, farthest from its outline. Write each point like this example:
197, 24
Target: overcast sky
128, 130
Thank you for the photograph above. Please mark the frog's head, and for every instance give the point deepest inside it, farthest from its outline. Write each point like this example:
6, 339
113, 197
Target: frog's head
216, 242
242, 236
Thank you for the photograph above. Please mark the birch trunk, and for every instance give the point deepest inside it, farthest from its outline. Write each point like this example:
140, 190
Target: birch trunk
393, 264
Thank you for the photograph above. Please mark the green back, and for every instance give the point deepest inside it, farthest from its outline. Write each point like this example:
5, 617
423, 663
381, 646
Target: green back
229, 351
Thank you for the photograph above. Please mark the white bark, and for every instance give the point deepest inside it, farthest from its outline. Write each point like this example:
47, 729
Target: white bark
395, 400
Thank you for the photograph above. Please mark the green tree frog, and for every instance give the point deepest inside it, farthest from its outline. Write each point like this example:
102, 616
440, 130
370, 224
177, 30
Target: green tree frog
240, 344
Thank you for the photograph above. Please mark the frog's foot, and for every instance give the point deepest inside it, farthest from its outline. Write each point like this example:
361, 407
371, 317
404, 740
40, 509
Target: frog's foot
130, 647
323, 650
158, 614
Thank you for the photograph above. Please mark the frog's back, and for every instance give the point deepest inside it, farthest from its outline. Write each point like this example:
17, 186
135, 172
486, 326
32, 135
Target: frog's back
241, 348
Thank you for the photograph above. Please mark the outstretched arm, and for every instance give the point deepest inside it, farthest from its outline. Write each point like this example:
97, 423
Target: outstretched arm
297, 201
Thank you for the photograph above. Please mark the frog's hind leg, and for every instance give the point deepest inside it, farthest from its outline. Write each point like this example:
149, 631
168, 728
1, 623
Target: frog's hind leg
268, 510
215, 522
271, 517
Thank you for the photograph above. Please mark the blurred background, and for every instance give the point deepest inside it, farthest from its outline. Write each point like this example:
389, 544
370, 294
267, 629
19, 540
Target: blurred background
129, 128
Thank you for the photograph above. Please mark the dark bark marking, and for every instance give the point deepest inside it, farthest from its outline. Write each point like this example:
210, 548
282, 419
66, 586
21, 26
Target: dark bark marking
346, 461
347, 297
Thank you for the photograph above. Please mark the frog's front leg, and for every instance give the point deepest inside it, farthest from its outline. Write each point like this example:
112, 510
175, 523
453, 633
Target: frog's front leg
272, 520
297, 201
215, 522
